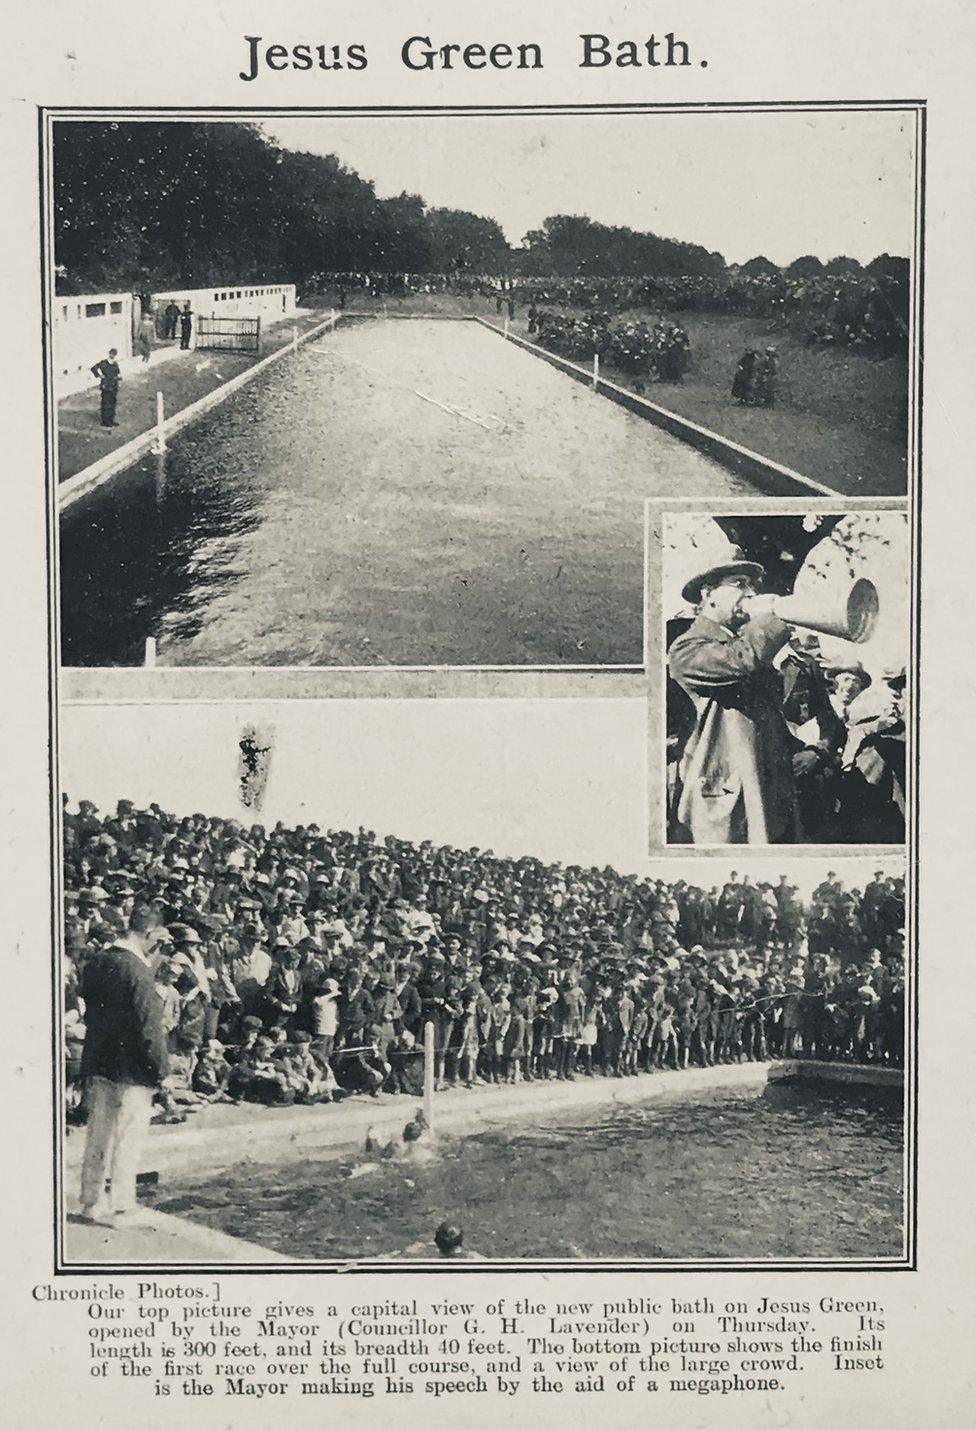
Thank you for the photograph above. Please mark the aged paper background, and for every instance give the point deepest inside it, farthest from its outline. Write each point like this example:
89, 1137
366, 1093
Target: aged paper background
183, 54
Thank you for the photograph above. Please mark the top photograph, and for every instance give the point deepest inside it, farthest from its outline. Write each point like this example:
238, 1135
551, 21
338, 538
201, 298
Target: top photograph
391, 390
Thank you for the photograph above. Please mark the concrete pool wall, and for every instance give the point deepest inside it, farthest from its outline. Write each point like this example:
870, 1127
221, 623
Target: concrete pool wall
225, 1135
126, 456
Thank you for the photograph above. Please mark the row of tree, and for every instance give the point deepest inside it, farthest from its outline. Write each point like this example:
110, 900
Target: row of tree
147, 205
809, 266
569, 245
150, 205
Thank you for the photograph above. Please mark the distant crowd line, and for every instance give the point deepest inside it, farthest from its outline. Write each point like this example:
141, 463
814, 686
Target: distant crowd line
861, 310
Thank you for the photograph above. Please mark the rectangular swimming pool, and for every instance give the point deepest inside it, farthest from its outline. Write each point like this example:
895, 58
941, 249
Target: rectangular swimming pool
394, 493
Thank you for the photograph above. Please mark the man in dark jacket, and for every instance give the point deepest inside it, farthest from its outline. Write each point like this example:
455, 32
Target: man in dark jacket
109, 376
124, 1060
743, 376
818, 732
411, 1009
767, 378
186, 326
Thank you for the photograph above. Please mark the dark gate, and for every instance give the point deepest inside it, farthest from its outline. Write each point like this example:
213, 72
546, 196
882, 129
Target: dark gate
241, 335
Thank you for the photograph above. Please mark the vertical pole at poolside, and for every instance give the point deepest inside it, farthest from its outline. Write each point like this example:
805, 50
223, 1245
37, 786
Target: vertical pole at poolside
596, 371
506, 326
150, 658
429, 1074
294, 338
332, 316
160, 423
159, 476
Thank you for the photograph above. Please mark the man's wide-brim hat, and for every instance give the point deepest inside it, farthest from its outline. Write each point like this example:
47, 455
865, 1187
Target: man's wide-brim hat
854, 668
736, 565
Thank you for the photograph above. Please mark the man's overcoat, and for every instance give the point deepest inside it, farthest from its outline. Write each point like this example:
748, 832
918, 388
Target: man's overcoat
736, 771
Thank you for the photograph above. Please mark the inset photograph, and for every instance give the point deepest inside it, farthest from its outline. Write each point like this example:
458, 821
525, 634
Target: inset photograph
339, 391
786, 652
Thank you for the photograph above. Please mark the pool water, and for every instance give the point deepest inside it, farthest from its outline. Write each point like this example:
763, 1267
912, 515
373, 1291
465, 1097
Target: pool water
793, 1170
416, 493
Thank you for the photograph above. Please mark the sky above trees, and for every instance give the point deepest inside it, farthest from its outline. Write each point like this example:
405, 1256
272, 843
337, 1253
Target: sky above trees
782, 184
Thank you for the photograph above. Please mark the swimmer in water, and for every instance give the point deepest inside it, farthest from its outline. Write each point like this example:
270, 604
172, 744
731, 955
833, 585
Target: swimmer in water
449, 1239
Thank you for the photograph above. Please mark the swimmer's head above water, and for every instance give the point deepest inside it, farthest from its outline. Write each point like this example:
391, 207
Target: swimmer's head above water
448, 1238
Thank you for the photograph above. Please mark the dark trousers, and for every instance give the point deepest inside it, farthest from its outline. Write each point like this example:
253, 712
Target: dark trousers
184, 336
110, 396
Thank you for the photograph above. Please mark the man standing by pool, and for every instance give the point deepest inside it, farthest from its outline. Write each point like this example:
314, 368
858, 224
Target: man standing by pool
172, 315
109, 376
186, 327
124, 1060
736, 771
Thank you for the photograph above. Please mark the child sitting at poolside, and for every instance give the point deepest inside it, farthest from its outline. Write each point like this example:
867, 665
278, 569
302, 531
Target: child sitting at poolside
211, 1073
263, 1078
406, 1065
306, 1077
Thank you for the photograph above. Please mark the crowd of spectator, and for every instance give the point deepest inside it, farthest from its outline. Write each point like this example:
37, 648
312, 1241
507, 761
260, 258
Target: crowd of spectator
658, 352
301, 964
861, 310
847, 734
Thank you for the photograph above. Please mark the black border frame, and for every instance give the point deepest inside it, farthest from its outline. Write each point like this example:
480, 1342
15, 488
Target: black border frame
49, 114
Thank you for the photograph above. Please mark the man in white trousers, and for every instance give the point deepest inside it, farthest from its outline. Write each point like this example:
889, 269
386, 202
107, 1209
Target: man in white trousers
124, 1061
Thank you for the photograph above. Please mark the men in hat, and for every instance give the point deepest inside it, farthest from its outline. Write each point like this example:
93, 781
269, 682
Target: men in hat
250, 967
847, 682
873, 906
736, 782
742, 378
186, 326
874, 775
325, 1020
283, 989
109, 376
124, 1060
818, 732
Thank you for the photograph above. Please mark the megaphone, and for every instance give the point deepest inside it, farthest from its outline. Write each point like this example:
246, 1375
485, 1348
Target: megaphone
852, 615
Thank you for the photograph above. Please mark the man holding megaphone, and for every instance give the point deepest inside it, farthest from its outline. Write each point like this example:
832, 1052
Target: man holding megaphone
736, 780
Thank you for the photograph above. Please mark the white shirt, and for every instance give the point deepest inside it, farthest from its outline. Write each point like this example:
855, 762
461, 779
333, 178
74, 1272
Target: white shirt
135, 943
325, 1014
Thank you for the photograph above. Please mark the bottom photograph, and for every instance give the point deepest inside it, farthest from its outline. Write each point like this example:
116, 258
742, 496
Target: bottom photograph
354, 983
